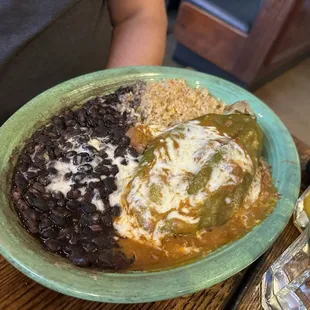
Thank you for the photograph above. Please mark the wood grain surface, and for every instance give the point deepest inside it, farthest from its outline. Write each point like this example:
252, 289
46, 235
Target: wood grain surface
267, 26
295, 36
19, 292
208, 36
238, 292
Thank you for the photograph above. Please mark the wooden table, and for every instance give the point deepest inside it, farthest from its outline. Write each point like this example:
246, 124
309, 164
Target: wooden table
240, 292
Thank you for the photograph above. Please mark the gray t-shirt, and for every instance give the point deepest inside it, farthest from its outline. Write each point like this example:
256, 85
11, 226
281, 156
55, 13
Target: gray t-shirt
45, 42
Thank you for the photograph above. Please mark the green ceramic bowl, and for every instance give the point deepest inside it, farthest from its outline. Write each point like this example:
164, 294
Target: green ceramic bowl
27, 255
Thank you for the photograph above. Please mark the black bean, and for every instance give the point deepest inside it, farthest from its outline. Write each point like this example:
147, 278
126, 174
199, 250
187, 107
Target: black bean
53, 245
49, 232
92, 122
102, 170
58, 152
116, 210
34, 191
45, 223
21, 205
88, 195
36, 135
59, 123
51, 203
88, 207
68, 115
78, 185
30, 147
82, 139
58, 195
75, 237
58, 220
65, 233
93, 258
85, 168
31, 214
106, 162
86, 231
106, 259
92, 108
31, 175
26, 158
121, 261
96, 228
23, 166
133, 152
39, 187
65, 159
52, 133
103, 191
50, 153
95, 175
114, 170
124, 141
81, 158
71, 123
61, 202
68, 145
104, 241
124, 162
117, 135
95, 184
109, 185
32, 225
29, 197
111, 99
44, 180
123, 90
81, 115
78, 177
20, 181
40, 203
104, 155
73, 194
72, 205
89, 149
106, 219
42, 139
68, 175
102, 130
81, 261
72, 248
88, 246
52, 171
95, 217
70, 154
109, 119
60, 211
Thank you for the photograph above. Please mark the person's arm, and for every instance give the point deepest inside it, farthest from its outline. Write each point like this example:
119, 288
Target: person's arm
139, 32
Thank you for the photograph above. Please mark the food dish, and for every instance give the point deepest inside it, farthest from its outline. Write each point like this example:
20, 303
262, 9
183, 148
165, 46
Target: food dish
265, 233
110, 186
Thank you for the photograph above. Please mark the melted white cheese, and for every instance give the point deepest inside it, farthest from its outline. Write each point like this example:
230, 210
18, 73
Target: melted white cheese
197, 147
61, 184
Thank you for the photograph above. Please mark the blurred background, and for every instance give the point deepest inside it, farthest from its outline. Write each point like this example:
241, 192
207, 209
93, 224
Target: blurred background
261, 45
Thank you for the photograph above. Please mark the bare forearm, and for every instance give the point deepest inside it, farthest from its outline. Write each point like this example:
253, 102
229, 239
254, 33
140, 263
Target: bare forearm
133, 46
139, 36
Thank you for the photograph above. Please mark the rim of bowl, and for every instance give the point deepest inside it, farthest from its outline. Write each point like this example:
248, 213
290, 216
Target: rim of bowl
251, 245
